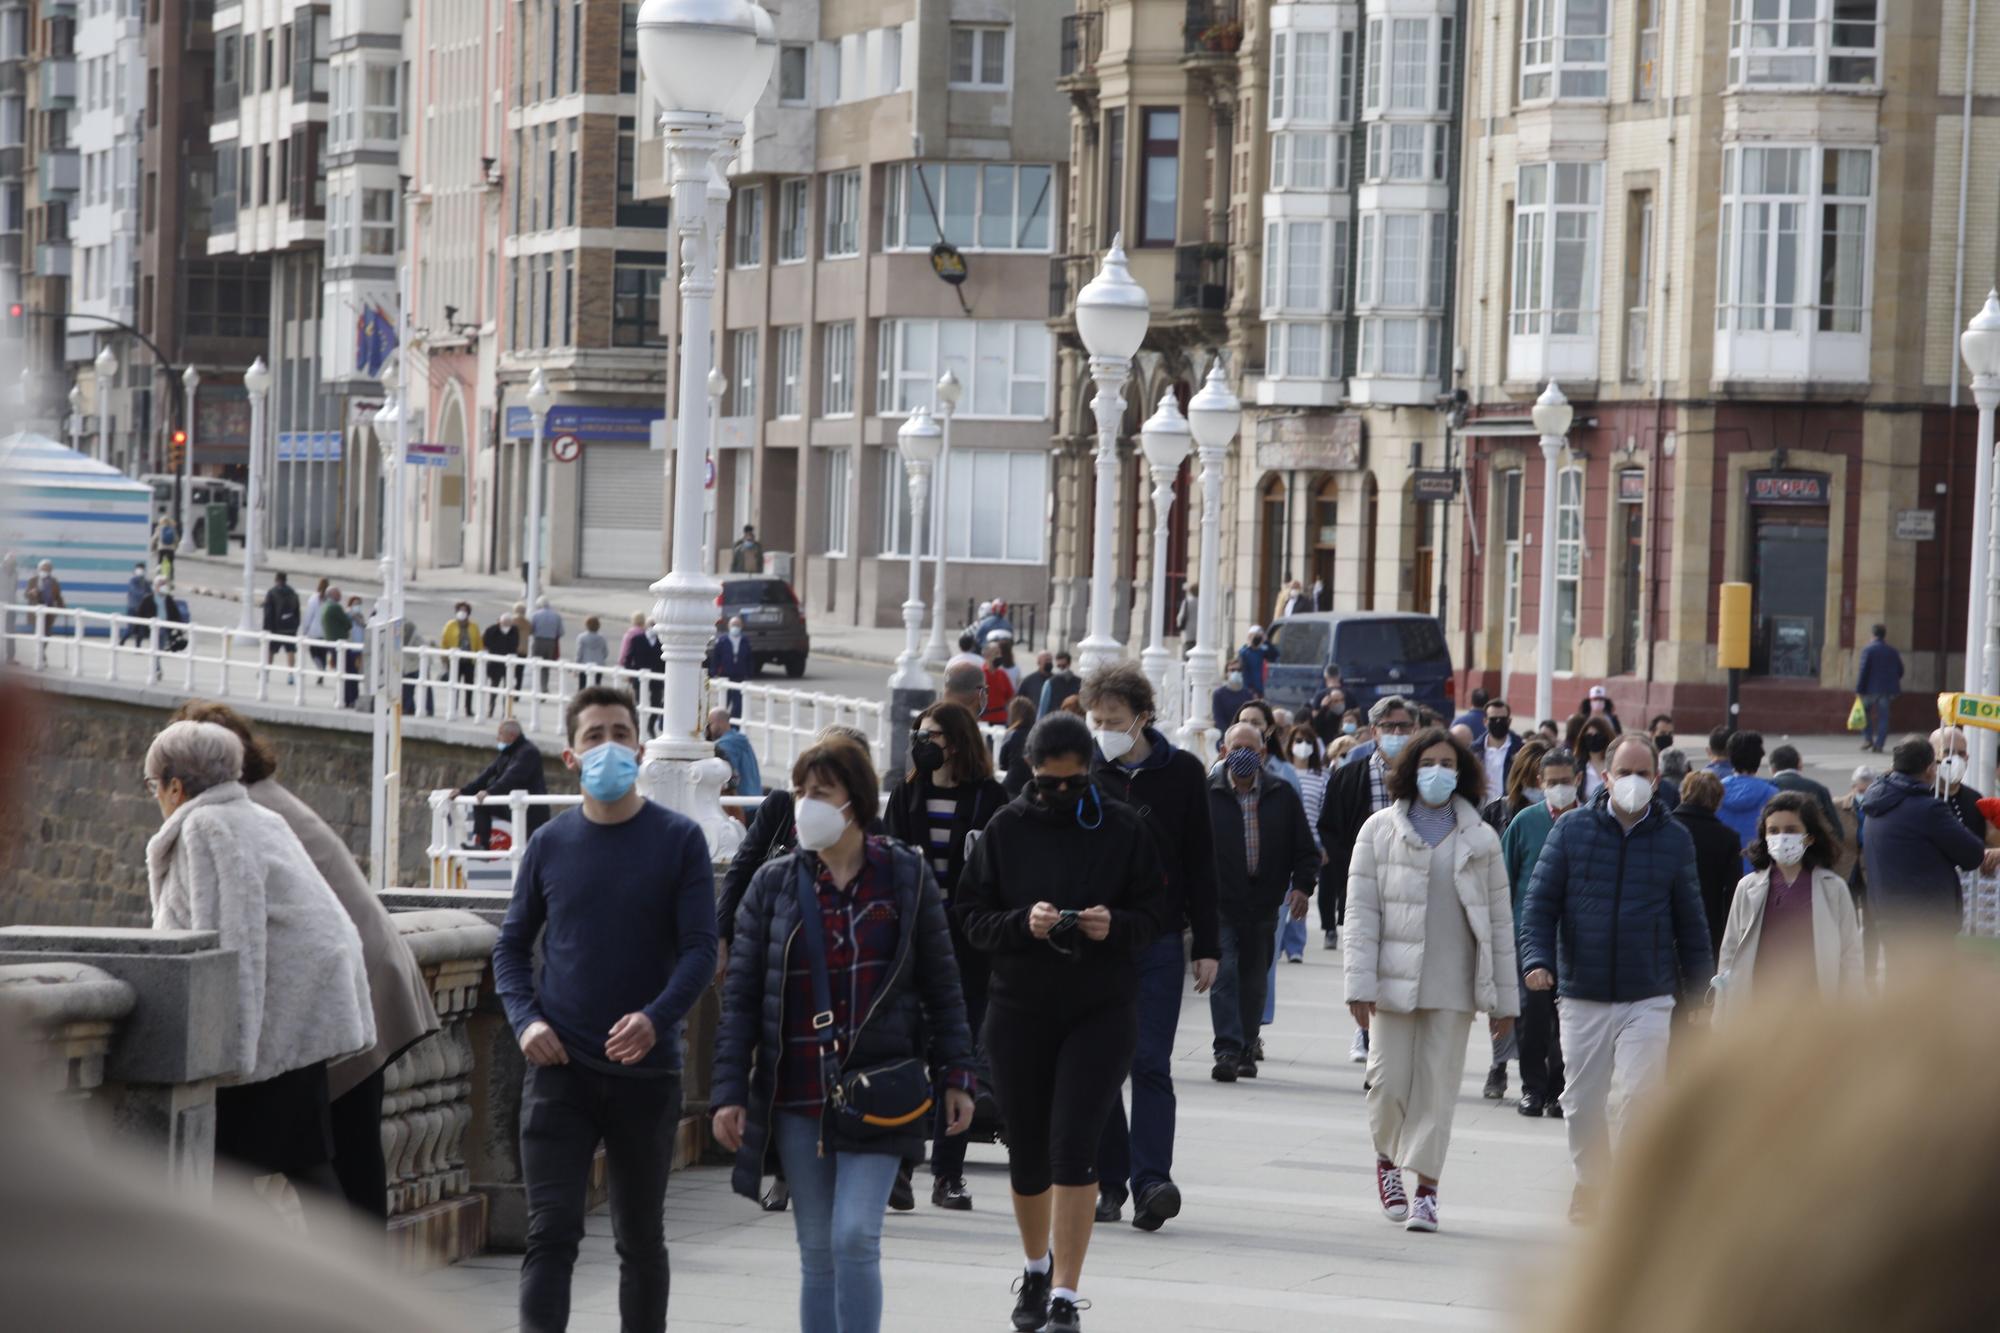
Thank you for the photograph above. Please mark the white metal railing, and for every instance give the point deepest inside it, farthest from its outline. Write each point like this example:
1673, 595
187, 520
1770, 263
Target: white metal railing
456, 864
781, 723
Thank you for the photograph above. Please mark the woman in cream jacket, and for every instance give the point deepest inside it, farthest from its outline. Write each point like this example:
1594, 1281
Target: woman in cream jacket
1792, 921
1429, 940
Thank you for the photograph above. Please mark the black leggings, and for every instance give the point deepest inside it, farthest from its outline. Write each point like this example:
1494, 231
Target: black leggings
1056, 1079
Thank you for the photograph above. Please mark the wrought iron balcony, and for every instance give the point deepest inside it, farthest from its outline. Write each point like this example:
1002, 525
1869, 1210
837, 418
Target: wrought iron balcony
1080, 44
1212, 28
1201, 277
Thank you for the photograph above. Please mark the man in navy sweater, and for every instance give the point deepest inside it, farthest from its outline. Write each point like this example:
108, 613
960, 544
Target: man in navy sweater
622, 895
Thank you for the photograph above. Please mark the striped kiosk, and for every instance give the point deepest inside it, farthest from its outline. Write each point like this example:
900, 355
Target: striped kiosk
91, 521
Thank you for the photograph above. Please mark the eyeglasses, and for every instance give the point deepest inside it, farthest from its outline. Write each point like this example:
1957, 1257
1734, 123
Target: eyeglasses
1394, 728
929, 733
152, 786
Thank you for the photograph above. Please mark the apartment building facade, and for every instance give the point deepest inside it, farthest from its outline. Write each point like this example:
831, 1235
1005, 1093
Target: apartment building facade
1732, 232
41, 39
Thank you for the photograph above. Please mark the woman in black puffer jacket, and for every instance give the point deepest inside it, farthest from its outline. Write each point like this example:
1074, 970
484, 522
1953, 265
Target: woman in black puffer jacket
894, 996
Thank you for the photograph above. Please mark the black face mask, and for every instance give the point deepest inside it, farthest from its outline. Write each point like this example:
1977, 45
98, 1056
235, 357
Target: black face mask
1665, 740
1594, 742
926, 754
1496, 727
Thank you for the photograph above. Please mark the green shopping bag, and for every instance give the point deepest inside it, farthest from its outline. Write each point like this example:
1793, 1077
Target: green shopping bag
1857, 716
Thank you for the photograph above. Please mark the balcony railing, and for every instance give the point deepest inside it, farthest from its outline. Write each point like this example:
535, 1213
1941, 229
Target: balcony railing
1201, 277
1212, 27
1080, 44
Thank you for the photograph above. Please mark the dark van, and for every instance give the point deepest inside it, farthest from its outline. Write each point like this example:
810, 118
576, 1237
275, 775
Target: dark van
1378, 652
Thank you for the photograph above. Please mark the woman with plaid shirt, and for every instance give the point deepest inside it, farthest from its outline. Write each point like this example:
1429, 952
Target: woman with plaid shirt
894, 992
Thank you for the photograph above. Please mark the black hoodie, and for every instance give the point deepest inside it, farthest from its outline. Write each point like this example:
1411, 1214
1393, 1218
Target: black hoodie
1169, 790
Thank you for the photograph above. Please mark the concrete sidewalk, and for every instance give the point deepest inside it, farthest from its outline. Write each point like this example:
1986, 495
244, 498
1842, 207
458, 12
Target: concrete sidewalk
1281, 1230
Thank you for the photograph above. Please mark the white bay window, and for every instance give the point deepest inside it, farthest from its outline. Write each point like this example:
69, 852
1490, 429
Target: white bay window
1003, 364
1407, 65
1565, 49
1401, 279
1804, 43
979, 206
1305, 289
1558, 223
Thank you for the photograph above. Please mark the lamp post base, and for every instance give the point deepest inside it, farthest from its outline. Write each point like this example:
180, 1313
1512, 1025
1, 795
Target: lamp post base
1097, 651
687, 776
1154, 662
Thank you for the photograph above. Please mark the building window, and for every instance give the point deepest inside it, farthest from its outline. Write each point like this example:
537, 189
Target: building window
889, 72
636, 280
791, 371
1401, 267
1565, 49
1406, 151
843, 215
1409, 64
1803, 43
1569, 564
632, 210
793, 214
978, 56
382, 106
378, 222
1305, 276
1308, 160
1003, 364
835, 477
1646, 73
1507, 502
837, 362
1301, 77
982, 207
1557, 214
995, 507
1792, 282
1638, 281
1160, 180
896, 504
1114, 171
746, 242
628, 49
794, 61
743, 365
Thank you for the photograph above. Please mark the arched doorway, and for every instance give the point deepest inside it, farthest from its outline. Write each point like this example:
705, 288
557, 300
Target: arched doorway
448, 527
1325, 531
1271, 575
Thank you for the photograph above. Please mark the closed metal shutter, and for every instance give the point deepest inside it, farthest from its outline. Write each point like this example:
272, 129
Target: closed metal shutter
624, 512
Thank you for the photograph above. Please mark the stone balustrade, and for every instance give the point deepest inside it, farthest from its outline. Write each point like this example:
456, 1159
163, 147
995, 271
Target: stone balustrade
66, 1015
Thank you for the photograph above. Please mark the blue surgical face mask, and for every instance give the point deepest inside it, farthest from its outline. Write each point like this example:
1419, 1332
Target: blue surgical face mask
1348, 728
609, 771
1435, 785
1391, 744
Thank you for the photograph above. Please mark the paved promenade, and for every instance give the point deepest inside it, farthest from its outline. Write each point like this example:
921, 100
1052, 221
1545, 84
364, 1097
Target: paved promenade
1280, 1230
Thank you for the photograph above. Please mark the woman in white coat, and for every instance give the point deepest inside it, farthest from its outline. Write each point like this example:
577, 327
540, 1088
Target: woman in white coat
223, 863
1792, 922
1429, 940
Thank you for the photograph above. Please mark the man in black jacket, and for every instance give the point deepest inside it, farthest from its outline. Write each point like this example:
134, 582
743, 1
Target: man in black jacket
1785, 776
1264, 859
281, 616
1357, 789
518, 767
1136, 764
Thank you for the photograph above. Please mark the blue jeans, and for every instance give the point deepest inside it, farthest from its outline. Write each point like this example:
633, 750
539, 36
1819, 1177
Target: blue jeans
837, 1208
1878, 718
1131, 1160
1236, 1002
1291, 938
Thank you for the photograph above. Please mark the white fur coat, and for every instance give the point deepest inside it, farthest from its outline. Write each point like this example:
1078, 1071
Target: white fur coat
224, 864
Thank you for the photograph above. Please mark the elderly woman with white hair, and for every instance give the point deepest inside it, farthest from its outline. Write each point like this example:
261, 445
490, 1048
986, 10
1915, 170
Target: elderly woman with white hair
222, 863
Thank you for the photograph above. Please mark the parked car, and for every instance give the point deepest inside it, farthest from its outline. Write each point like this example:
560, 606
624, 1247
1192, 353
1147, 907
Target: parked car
773, 620
1378, 652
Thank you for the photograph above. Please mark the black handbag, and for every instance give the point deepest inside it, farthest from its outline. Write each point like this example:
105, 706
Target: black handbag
866, 1103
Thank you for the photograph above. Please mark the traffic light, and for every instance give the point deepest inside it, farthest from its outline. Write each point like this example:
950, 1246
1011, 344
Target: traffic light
16, 310
177, 444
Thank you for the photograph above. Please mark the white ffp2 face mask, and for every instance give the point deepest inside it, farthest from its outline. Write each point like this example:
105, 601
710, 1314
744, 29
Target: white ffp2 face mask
820, 823
1951, 768
1560, 795
1787, 849
1632, 792
1112, 743
1302, 752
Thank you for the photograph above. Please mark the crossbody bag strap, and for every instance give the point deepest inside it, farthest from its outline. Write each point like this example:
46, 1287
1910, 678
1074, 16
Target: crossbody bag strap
812, 938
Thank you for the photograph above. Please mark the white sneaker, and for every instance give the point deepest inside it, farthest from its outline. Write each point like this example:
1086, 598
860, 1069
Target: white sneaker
1358, 1052
1423, 1213
1389, 1188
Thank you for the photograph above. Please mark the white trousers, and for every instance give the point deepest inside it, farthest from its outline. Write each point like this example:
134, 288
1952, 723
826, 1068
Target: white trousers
1599, 1040
1416, 1063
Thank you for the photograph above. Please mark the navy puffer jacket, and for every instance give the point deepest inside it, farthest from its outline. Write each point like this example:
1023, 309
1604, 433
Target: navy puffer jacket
919, 1009
1617, 916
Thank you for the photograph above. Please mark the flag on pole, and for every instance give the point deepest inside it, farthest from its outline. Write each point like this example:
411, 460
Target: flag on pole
374, 340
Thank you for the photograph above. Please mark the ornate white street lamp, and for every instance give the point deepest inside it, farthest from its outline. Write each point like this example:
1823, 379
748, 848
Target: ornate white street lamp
1980, 346
388, 429
949, 391
107, 375
1552, 416
257, 379
921, 442
1215, 415
1112, 312
702, 62
539, 401
190, 381
1165, 438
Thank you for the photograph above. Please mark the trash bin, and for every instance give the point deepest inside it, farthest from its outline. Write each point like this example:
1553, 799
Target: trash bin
216, 521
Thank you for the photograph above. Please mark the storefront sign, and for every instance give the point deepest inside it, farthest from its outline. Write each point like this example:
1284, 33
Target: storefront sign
309, 446
1317, 442
1632, 486
1788, 488
615, 425
1916, 525
1434, 484
425, 454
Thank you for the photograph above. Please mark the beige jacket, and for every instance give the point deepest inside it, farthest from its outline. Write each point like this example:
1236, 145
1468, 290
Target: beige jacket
1388, 891
401, 999
1837, 962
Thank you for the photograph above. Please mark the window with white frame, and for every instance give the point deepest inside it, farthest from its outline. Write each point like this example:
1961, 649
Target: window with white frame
995, 505
979, 56
746, 241
1306, 152
1569, 564
1400, 267
836, 474
791, 371
981, 206
837, 369
1792, 291
1507, 504
794, 62
378, 222
1804, 43
1558, 218
383, 107
843, 215
1003, 364
1407, 64
1565, 49
1408, 151
1309, 160
793, 218
743, 366
1301, 77
889, 73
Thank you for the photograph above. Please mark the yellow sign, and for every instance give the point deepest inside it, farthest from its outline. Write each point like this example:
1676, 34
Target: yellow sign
1970, 710
1732, 628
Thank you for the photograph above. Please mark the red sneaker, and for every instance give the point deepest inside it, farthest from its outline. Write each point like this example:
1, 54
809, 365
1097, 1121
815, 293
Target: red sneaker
1389, 1184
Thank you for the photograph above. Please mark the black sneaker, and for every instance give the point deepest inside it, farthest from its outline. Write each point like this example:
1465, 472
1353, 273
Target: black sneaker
1063, 1316
1256, 1051
1031, 1310
1246, 1068
1496, 1083
1225, 1068
902, 1197
1110, 1207
1157, 1206
950, 1192
1531, 1104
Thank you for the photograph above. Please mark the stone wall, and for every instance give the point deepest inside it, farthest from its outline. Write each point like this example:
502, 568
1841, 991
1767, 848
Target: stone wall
77, 856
